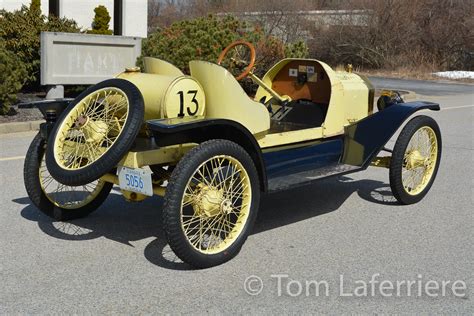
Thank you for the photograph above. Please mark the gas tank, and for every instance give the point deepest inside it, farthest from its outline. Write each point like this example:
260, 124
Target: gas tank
168, 96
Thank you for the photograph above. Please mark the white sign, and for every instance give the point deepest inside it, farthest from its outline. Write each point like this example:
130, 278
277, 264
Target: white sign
70, 58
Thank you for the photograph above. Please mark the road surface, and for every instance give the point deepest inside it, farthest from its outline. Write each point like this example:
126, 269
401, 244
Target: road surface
338, 234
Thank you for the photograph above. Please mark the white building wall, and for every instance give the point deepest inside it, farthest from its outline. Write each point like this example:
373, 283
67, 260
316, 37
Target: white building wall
83, 11
135, 15
12, 5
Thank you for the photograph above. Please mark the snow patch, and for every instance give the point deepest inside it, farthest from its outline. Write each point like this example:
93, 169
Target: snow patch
457, 74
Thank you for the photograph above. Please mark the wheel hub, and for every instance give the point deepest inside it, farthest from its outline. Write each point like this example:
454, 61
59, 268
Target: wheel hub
81, 121
209, 201
226, 206
94, 131
415, 159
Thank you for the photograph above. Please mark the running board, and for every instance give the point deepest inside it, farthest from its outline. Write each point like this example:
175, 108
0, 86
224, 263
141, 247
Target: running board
307, 177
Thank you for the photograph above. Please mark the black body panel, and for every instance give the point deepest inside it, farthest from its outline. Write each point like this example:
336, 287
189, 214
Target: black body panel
284, 167
289, 167
199, 129
365, 138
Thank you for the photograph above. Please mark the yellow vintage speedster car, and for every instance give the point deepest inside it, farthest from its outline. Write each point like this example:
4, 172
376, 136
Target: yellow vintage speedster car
201, 142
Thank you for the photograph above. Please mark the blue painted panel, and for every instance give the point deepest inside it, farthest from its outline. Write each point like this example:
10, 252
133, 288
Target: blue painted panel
365, 138
304, 158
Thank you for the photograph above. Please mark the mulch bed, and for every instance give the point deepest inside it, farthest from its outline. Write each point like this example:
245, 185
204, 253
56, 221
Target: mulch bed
23, 114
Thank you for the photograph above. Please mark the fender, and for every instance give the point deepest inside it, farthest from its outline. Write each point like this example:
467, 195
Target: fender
198, 129
367, 137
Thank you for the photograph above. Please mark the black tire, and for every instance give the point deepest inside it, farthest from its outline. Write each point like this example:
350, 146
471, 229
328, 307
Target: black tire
117, 150
31, 176
398, 159
186, 167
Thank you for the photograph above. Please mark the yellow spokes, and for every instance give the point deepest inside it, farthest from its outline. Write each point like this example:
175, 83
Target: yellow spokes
216, 204
420, 159
67, 197
91, 128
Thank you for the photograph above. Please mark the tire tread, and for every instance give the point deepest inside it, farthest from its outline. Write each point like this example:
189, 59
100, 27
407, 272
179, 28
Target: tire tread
398, 154
115, 153
172, 203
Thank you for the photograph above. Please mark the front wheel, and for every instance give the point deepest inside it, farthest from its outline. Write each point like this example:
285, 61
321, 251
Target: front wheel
211, 203
415, 159
54, 199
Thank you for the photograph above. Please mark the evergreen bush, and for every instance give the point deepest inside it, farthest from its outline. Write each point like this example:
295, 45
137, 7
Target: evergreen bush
100, 25
20, 31
204, 38
12, 77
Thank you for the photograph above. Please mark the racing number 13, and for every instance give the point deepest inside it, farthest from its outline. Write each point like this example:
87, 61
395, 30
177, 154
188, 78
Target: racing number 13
188, 108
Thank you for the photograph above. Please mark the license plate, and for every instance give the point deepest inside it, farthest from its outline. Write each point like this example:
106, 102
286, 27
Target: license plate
135, 180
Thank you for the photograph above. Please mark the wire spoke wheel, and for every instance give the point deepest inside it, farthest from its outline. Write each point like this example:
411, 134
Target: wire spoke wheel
420, 160
92, 128
56, 200
415, 159
211, 203
95, 132
65, 196
216, 204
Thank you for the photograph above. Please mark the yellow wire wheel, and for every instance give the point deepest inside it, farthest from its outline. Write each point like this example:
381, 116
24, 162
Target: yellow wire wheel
211, 203
97, 129
415, 159
54, 199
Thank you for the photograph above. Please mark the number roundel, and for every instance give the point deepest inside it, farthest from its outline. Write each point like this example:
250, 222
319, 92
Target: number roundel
184, 97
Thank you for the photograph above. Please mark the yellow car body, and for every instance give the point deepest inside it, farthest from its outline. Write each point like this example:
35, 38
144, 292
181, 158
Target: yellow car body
210, 148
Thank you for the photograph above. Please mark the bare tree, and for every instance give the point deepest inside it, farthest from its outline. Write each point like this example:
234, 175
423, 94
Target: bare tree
401, 33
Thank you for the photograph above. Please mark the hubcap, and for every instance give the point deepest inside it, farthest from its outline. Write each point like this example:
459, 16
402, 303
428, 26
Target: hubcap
415, 159
208, 202
93, 131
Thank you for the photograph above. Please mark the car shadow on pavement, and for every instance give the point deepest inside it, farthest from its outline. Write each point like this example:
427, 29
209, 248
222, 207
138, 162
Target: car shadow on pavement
127, 222
325, 196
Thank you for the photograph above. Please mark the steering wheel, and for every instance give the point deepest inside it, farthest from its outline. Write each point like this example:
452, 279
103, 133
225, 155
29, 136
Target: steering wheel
238, 56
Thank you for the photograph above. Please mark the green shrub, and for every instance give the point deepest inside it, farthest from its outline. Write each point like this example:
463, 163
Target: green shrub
204, 38
297, 50
35, 7
20, 30
12, 77
100, 25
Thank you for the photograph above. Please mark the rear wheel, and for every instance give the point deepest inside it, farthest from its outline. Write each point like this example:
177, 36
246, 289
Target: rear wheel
211, 203
415, 159
94, 133
56, 200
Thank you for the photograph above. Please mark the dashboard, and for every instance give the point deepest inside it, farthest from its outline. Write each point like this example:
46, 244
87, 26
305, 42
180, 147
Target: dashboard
303, 79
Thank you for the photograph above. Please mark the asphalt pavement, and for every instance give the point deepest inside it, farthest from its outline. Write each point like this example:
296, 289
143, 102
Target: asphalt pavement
335, 235
437, 88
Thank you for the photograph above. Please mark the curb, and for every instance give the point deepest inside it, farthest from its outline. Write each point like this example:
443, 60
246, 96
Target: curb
17, 127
